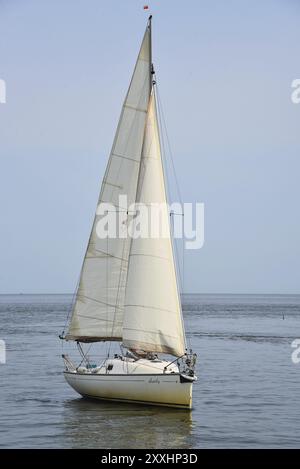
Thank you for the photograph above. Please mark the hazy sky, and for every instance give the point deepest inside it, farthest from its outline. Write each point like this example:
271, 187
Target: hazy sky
224, 70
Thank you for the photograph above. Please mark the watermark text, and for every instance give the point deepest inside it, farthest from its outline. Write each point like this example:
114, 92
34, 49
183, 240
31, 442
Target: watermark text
2, 91
296, 353
152, 221
2, 352
295, 96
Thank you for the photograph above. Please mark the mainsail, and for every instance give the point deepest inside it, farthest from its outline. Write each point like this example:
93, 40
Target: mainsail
99, 305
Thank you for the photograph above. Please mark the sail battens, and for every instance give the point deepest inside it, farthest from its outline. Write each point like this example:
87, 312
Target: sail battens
112, 184
126, 158
163, 310
149, 158
93, 317
135, 108
107, 254
118, 208
151, 255
97, 301
153, 332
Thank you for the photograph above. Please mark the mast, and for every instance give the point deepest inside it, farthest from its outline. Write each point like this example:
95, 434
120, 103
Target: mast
150, 52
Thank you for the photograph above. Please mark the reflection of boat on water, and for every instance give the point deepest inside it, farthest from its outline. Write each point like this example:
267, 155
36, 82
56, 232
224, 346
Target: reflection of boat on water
88, 425
128, 289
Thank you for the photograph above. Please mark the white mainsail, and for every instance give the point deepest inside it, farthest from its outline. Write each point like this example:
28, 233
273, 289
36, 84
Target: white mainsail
99, 305
152, 315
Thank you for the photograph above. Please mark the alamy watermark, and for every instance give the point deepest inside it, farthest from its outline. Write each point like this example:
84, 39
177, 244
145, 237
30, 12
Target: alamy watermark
296, 353
2, 91
154, 221
2, 352
295, 96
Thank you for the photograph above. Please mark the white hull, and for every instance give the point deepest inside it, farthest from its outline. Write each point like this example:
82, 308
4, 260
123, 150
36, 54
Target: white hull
170, 389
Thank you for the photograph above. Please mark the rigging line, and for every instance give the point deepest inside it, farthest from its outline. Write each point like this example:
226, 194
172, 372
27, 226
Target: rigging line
177, 259
169, 144
84, 355
159, 101
107, 293
72, 304
177, 253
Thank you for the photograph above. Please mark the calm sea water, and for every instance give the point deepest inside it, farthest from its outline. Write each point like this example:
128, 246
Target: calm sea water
247, 394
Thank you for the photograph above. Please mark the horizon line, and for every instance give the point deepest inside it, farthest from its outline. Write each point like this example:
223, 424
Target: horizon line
182, 293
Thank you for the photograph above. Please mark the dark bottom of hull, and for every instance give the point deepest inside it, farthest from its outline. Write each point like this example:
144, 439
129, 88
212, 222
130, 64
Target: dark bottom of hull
131, 401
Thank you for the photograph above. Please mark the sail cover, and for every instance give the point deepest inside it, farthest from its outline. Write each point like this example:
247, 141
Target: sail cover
99, 305
152, 316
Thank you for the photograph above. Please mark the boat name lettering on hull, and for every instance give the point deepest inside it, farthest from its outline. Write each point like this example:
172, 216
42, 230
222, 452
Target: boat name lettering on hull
154, 381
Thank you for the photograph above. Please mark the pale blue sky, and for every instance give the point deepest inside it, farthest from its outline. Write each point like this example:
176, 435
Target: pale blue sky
224, 69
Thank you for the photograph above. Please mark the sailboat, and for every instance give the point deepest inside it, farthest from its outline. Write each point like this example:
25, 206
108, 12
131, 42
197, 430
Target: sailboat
128, 290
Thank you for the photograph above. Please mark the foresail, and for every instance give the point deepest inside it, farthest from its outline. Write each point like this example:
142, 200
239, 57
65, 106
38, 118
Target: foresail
152, 316
99, 305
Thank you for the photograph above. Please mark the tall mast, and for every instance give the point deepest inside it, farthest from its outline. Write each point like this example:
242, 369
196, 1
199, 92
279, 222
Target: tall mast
150, 50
